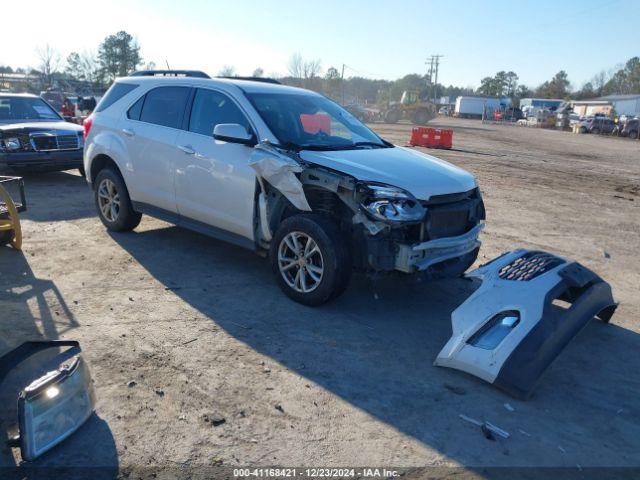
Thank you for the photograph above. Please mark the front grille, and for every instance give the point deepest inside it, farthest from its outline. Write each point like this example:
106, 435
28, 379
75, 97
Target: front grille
44, 142
54, 142
453, 214
67, 142
529, 266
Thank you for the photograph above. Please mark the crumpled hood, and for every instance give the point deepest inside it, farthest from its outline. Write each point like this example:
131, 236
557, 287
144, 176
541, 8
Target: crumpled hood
421, 175
39, 126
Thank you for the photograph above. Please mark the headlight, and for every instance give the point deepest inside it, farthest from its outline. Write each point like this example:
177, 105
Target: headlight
389, 204
495, 330
53, 407
12, 144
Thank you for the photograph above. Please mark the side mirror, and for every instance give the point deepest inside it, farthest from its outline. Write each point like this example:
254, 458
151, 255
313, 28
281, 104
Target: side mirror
233, 133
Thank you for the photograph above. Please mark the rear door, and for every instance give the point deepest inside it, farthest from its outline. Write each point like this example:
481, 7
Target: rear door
151, 131
214, 183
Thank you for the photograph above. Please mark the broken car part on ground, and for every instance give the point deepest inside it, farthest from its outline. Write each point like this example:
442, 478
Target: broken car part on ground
54, 404
528, 308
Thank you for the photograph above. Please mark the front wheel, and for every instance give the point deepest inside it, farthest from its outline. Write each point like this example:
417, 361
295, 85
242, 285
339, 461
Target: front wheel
113, 203
633, 134
310, 259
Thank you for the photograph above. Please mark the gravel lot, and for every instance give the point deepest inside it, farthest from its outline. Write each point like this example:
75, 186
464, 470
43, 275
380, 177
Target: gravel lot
198, 359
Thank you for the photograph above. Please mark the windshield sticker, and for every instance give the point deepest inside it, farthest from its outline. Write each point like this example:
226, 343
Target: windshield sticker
44, 112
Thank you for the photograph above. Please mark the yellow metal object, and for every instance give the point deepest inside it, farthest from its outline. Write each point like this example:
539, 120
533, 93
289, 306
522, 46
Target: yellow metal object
12, 223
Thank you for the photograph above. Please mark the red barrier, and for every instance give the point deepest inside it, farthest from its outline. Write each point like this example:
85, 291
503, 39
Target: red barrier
431, 137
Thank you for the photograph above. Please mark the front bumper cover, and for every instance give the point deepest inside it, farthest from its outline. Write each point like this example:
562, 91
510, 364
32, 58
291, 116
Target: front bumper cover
53, 160
554, 298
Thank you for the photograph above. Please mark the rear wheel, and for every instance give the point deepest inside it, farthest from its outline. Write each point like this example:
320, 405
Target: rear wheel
310, 259
633, 134
583, 129
113, 203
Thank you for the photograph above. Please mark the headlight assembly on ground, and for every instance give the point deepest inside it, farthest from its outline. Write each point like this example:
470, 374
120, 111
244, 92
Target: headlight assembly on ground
53, 406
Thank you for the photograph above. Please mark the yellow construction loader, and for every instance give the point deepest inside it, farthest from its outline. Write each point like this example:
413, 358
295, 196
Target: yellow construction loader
410, 107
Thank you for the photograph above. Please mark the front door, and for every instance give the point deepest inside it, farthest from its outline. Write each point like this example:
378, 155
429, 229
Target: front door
214, 183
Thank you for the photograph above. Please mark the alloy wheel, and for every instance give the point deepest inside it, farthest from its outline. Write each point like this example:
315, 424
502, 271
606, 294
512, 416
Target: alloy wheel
108, 200
300, 262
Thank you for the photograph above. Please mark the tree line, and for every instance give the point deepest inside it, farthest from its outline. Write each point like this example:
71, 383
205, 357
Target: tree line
119, 55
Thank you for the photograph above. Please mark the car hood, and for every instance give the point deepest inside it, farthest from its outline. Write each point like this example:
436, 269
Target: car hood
39, 126
420, 174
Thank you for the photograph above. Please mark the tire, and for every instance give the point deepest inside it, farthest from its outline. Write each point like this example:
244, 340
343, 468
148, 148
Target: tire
583, 130
5, 237
110, 188
595, 131
392, 116
633, 134
421, 117
332, 261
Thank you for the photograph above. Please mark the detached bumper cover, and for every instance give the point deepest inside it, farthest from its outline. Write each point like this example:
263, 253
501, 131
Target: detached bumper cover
541, 302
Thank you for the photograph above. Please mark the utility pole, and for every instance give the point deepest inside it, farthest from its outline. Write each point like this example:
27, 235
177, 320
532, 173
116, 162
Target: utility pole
342, 83
436, 59
430, 74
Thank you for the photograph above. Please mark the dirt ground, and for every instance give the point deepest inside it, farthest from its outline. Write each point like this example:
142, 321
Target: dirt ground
199, 359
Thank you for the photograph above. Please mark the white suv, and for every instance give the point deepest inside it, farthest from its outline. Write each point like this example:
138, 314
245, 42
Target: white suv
281, 170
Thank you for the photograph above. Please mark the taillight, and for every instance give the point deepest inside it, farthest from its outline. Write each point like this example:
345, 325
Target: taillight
87, 126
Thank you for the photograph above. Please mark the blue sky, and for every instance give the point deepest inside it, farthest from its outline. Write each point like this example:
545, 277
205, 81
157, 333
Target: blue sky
374, 38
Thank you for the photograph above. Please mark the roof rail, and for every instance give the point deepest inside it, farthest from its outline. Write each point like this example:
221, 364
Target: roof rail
170, 73
254, 79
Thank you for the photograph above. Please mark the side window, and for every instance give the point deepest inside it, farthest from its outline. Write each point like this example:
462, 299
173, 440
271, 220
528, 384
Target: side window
134, 112
115, 93
165, 106
211, 108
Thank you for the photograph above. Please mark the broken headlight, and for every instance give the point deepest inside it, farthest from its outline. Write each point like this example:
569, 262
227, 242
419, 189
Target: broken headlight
389, 204
56, 404
53, 407
495, 330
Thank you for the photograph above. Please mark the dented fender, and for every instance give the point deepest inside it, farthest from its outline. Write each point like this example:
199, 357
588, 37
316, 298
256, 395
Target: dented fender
530, 305
279, 170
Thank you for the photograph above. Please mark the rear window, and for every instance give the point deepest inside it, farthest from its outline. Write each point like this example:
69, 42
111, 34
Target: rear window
134, 112
115, 93
165, 106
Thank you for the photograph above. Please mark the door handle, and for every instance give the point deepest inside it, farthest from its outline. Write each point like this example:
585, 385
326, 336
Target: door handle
128, 132
187, 149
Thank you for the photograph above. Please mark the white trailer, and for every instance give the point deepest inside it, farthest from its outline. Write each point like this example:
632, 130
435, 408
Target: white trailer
474, 107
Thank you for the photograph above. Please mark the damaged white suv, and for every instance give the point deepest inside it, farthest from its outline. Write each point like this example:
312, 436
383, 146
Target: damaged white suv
281, 170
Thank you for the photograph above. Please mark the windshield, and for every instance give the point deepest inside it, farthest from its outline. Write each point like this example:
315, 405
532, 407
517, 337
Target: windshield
313, 122
22, 109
